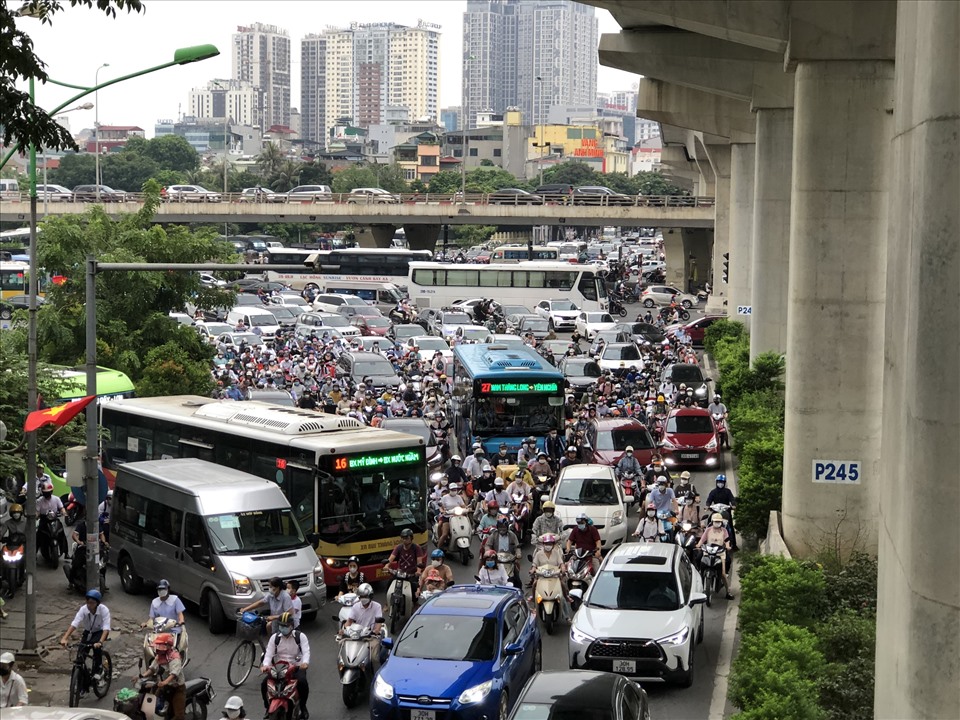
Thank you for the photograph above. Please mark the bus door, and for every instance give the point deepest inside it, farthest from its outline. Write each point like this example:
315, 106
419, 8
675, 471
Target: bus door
298, 480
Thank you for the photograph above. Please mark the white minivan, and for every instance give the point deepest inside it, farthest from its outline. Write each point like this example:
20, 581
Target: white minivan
217, 534
255, 318
594, 490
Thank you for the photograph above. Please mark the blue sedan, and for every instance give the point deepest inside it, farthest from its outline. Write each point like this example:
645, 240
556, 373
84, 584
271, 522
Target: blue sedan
465, 654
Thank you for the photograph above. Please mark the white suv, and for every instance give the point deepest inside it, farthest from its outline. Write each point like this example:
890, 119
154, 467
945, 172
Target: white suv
594, 490
561, 314
642, 616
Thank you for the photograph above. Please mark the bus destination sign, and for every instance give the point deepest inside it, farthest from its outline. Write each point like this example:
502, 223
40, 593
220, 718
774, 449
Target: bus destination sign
500, 388
347, 463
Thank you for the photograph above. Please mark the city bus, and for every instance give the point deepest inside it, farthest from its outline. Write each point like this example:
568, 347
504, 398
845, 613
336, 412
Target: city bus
111, 384
433, 284
504, 394
335, 471
516, 253
360, 264
14, 276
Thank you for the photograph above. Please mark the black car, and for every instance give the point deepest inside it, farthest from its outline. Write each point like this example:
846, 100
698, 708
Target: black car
88, 193
355, 366
555, 193
600, 195
691, 376
584, 694
581, 372
643, 332
513, 196
16, 302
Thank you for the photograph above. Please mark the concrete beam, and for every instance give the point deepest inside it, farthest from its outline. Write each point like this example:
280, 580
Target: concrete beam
696, 110
763, 24
375, 236
694, 61
422, 237
829, 30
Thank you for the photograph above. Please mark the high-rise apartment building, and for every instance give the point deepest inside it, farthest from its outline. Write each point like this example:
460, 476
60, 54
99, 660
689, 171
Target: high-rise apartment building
240, 102
261, 57
368, 73
530, 54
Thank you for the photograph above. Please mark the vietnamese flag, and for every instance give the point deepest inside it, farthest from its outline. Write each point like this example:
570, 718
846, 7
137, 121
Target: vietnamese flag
59, 415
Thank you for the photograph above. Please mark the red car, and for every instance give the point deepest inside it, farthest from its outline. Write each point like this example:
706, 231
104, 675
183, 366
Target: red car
696, 328
371, 325
613, 436
690, 438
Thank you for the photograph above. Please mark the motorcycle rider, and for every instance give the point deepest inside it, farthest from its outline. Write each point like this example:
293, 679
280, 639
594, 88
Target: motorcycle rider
648, 527
501, 496
16, 524
448, 503
656, 468
718, 408
352, 578
491, 573
684, 487
502, 457
585, 537
437, 566
484, 483
93, 621
473, 465
722, 494
409, 558
547, 522
48, 502
489, 518
571, 457
233, 708
629, 464
547, 553
554, 446
290, 646
168, 667
663, 497
13, 689
528, 449
716, 534
455, 473
276, 600
368, 613
690, 511
505, 540
167, 606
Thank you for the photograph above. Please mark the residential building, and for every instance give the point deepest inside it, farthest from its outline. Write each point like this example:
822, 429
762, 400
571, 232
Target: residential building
371, 73
504, 144
261, 57
113, 137
645, 156
450, 118
647, 129
531, 54
419, 158
600, 146
239, 101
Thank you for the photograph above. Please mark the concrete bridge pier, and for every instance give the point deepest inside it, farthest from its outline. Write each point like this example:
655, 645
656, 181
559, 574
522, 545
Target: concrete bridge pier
741, 227
918, 621
697, 252
375, 236
422, 237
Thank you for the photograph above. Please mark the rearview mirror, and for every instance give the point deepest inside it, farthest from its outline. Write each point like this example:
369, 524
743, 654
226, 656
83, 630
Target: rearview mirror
386, 643
513, 649
696, 598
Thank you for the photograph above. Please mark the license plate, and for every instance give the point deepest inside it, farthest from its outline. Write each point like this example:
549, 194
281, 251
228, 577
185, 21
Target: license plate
423, 715
689, 456
624, 666
381, 573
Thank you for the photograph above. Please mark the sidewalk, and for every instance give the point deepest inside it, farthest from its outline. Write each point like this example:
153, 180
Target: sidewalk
48, 677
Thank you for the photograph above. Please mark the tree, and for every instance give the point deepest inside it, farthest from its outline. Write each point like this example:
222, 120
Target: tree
269, 159
572, 173
22, 121
170, 152
127, 171
391, 177
357, 176
286, 176
488, 180
653, 183
79, 169
171, 370
445, 182
469, 235
315, 174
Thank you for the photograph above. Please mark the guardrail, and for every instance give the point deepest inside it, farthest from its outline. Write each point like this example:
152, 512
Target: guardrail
653, 201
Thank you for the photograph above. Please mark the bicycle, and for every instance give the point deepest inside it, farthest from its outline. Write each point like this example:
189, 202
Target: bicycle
81, 677
250, 627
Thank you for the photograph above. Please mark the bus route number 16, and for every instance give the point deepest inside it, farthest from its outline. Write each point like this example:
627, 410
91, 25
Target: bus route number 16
839, 472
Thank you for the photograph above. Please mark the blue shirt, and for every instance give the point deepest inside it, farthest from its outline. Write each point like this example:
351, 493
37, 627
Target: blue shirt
662, 500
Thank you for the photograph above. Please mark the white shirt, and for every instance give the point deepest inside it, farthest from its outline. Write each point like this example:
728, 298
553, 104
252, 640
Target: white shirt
297, 610
13, 691
493, 576
449, 502
92, 621
366, 616
286, 650
168, 608
45, 505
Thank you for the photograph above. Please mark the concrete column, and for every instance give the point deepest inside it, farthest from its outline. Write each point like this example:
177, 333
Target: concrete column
674, 257
697, 249
741, 227
771, 231
838, 219
720, 157
918, 622
375, 236
422, 237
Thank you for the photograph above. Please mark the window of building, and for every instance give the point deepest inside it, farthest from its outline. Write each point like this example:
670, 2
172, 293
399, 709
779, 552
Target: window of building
473, 152
497, 152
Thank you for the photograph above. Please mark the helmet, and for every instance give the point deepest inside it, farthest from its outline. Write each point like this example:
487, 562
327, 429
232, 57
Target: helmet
571, 448
437, 554
94, 595
531, 440
353, 559
478, 451
16, 508
549, 505
651, 506
628, 448
457, 458
166, 639
285, 618
685, 475
453, 487
110, 492
406, 533
493, 505
233, 703
721, 478
47, 486
163, 585
8, 658
498, 481
716, 398
582, 516
548, 539
716, 517
661, 479
521, 464
503, 522
490, 554
365, 590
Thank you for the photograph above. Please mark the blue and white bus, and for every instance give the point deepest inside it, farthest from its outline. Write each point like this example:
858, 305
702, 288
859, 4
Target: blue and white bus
504, 394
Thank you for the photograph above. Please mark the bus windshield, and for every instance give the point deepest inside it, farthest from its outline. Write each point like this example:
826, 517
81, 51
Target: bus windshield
516, 415
254, 532
372, 504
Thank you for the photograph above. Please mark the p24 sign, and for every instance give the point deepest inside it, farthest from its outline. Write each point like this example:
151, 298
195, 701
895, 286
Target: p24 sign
837, 472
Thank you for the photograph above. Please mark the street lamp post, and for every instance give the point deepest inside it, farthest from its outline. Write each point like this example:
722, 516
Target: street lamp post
46, 193
226, 117
466, 130
96, 126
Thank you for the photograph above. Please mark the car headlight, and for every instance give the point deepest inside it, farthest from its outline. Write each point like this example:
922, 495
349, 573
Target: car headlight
617, 518
475, 694
580, 637
318, 573
667, 445
678, 638
712, 445
382, 689
242, 585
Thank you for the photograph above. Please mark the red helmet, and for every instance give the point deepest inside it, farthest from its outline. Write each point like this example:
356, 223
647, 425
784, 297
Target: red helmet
493, 505
490, 554
651, 506
163, 640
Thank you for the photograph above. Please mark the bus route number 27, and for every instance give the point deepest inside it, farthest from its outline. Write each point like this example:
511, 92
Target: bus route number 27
839, 472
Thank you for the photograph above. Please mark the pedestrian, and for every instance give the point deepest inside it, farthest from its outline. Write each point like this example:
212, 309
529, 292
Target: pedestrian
13, 690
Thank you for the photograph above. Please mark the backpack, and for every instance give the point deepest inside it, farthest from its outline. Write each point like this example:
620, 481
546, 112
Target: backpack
296, 636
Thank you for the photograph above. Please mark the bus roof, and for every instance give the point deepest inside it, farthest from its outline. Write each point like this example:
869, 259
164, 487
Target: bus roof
500, 360
296, 427
528, 264
109, 382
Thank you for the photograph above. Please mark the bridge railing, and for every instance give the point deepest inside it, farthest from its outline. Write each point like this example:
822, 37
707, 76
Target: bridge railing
664, 201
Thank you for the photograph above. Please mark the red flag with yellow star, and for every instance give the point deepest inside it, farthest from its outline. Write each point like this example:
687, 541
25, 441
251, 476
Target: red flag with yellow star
60, 415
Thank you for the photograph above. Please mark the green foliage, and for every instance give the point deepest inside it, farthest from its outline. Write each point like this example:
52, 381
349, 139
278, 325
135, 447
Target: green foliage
269, 159
469, 235
847, 641
74, 170
170, 370
391, 178
286, 176
349, 178
488, 180
775, 673
168, 159
851, 585
719, 330
171, 152
313, 174
780, 589
571, 173
445, 182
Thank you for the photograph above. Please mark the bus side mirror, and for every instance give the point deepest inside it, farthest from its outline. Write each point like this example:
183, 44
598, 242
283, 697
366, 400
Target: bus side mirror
312, 261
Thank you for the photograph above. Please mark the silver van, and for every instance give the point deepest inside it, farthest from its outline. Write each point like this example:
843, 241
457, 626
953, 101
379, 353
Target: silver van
9, 189
255, 317
217, 534
382, 295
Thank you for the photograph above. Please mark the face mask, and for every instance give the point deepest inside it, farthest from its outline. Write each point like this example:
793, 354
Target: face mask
436, 563
232, 714
491, 564
15, 516
548, 549
365, 601
285, 630
4, 671
548, 513
353, 570
582, 526
47, 495
651, 513
162, 594
717, 524
721, 485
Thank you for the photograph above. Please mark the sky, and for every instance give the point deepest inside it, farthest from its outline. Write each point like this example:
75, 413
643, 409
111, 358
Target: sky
80, 40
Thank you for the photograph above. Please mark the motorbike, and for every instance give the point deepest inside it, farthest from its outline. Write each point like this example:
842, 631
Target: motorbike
355, 663
682, 313
548, 594
667, 521
164, 625
13, 572
703, 294
628, 481
461, 530
687, 537
617, 308
721, 424
521, 517
147, 704
71, 507
347, 600
579, 574
51, 539
400, 594
710, 569
75, 568
283, 700
508, 563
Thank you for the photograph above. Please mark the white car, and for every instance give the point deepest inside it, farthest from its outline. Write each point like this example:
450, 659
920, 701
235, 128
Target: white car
470, 333
236, 338
318, 331
329, 320
653, 295
619, 356
288, 300
210, 330
54, 193
594, 490
504, 339
559, 314
642, 615
331, 302
211, 280
372, 196
429, 345
191, 193
589, 324
448, 322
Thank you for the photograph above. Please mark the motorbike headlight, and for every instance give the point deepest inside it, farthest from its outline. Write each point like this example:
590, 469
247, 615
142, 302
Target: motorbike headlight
242, 585
382, 689
13, 557
712, 445
579, 636
678, 638
475, 694
617, 518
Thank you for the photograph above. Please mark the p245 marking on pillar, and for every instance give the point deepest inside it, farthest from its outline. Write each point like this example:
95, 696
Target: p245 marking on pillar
744, 309
837, 472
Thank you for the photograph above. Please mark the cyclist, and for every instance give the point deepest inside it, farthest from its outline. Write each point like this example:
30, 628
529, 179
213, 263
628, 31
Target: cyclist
168, 668
93, 621
290, 646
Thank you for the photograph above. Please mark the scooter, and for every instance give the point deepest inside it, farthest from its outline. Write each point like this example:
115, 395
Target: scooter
400, 594
628, 482
580, 575
508, 563
721, 425
147, 704
548, 594
347, 600
164, 625
667, 521
13, 565
521, 517
710, 569
51, 539
71, 507
461, 530
687, 538
283, 700
355, 663
75, 568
